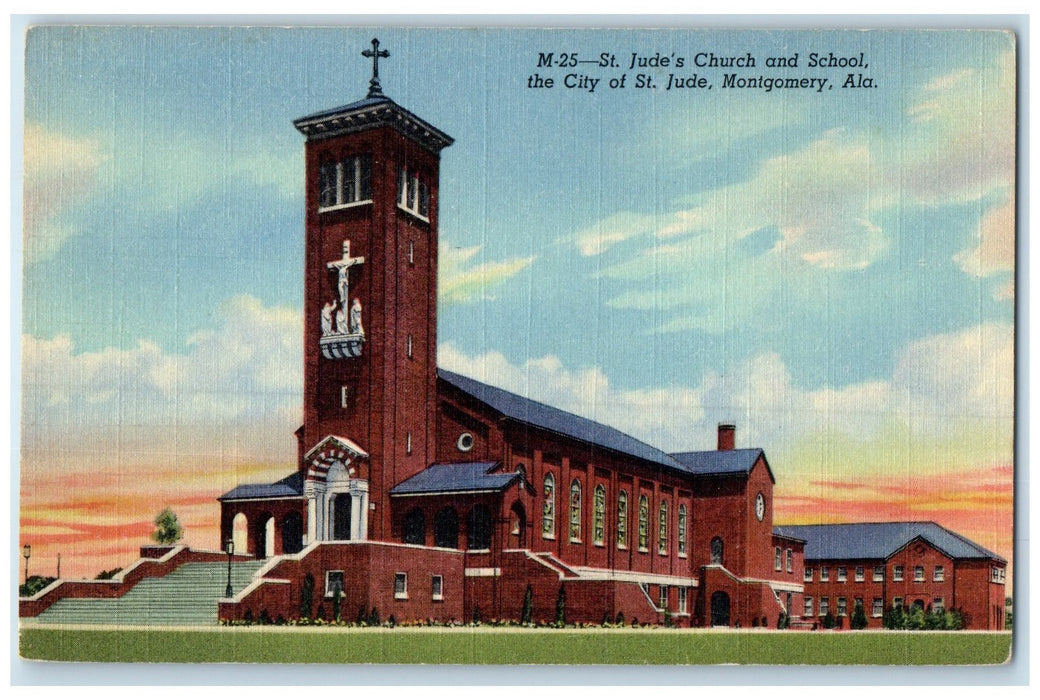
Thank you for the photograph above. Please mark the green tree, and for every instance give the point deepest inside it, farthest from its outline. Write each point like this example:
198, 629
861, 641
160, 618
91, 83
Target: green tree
307, 596
528, 610
829, 621
34, 585
107, 574
167, 529
561, 607
859, 618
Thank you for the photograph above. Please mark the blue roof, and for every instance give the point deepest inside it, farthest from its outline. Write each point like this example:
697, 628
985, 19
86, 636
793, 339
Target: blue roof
540, 415
879, 540
372, 112
720, 462
360, 104
455, 478
290, 486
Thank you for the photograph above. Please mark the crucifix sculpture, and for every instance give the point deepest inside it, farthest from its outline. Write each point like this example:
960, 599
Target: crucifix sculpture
374, 90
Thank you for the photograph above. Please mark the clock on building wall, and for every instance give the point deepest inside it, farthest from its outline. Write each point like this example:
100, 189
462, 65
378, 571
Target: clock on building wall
760, 506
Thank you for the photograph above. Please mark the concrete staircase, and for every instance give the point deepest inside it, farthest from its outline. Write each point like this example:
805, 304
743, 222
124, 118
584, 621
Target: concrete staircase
186, 596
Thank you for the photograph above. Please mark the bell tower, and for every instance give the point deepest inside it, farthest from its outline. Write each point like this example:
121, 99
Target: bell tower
370, 308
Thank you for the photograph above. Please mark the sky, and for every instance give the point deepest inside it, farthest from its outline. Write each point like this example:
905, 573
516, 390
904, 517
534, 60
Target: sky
832, 271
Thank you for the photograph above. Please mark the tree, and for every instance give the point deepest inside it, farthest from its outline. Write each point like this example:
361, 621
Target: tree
34, 585
829, 621
528, 610
107, 574
859, 618
167, 529
561, 607
307, 596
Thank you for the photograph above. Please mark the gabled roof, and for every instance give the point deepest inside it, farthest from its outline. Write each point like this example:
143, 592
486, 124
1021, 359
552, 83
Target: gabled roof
722, 462
530, 412
370, 113
880, 540
464, 477
289, 487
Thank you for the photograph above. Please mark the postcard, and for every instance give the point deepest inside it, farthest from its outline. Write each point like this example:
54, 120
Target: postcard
498, 346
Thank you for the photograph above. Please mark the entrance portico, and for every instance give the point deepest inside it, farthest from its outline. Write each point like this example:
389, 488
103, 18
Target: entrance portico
336, 492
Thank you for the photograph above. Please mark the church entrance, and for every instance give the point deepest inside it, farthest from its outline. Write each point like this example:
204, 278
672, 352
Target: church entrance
720, 609
292, 533
341, 516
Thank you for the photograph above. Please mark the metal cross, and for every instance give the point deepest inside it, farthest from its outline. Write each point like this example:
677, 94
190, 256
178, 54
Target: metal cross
374, 90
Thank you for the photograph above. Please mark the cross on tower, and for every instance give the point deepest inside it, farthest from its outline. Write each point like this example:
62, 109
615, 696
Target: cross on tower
374, 90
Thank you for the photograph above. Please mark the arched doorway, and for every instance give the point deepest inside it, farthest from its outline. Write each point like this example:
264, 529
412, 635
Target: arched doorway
478, 531
341, 506
414, 527
446, 528
720, 609
268, 542
292, 533
518, 526
240, 533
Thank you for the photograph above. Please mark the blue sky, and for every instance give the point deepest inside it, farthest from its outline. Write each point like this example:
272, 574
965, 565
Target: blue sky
806, 264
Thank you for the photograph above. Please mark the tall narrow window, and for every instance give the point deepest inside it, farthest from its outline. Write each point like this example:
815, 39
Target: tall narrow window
682, 530
716, 550
777, 559
413, 194
409, 343
411, 253
344, 183
622, 520
662, 528
599, 515
644, 524
549, 508
408, 443
575, 519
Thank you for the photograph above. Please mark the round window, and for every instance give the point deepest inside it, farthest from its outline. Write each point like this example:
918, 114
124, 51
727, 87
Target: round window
465, 442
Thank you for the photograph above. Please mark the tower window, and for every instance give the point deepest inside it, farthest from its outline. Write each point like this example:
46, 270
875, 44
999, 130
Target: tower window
411, 253
344, 183
408, 443
409, 345
413, 194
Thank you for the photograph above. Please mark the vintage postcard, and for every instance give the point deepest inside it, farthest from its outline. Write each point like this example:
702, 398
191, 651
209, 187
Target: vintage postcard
497, 346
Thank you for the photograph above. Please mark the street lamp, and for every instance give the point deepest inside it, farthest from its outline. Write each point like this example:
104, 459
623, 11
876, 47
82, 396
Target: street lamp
27, 552
229, 547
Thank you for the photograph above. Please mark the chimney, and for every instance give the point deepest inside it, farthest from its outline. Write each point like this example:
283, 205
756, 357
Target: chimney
727, 436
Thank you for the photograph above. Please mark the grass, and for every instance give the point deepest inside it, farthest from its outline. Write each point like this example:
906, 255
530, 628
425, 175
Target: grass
510, 646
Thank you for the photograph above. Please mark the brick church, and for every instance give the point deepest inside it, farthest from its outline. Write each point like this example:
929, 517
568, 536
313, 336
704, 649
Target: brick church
431, 496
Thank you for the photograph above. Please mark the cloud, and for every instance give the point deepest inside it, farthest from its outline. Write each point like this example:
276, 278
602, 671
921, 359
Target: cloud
60, 171
460, 280
994, 252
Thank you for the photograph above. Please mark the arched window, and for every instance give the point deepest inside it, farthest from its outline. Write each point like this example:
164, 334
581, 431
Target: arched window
599, 515
716, 550
682, 529
446, 528
478, 532
415, 527
662, 528
644, 524
549, 508
622, 520
575, 521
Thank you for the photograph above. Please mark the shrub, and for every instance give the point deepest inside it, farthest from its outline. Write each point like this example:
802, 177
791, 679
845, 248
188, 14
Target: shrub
373, 617
561, 607
307, 596
528, 608
859, 618
829, 621
167, 529
620, 619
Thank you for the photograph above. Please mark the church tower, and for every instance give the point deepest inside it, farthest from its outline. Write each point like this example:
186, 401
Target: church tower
370, 309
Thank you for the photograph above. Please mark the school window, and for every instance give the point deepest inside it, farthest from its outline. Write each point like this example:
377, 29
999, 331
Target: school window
860, 573
549, 508
682, 600
345, 183
400, 586
682, 530
644, 524
808, 573
622, 520
897, 572
825, 573
411, 253
333, 583
790, 560
825, 606
939, 574
879, 607
843, 574
599, 515
662, 528
575, 521
413, 194
662, 599
778, 559
438, 587
919, 573
879, 573
843, 607
808, 606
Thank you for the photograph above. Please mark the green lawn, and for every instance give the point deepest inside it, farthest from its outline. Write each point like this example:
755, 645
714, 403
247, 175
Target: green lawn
511, 646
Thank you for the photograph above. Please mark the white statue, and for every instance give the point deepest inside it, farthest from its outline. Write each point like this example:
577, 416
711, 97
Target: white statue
341, 321
355, 318
326, 318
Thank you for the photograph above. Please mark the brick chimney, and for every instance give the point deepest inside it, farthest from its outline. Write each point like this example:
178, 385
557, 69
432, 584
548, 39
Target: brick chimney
727, 436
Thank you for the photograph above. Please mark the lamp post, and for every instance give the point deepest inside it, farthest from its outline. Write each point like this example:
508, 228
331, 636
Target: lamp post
27, 552
229, 547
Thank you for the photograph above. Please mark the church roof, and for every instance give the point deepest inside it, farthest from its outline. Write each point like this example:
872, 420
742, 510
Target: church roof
370, 113
721, 462
289, 487
524, 410
880, 540
455, 478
